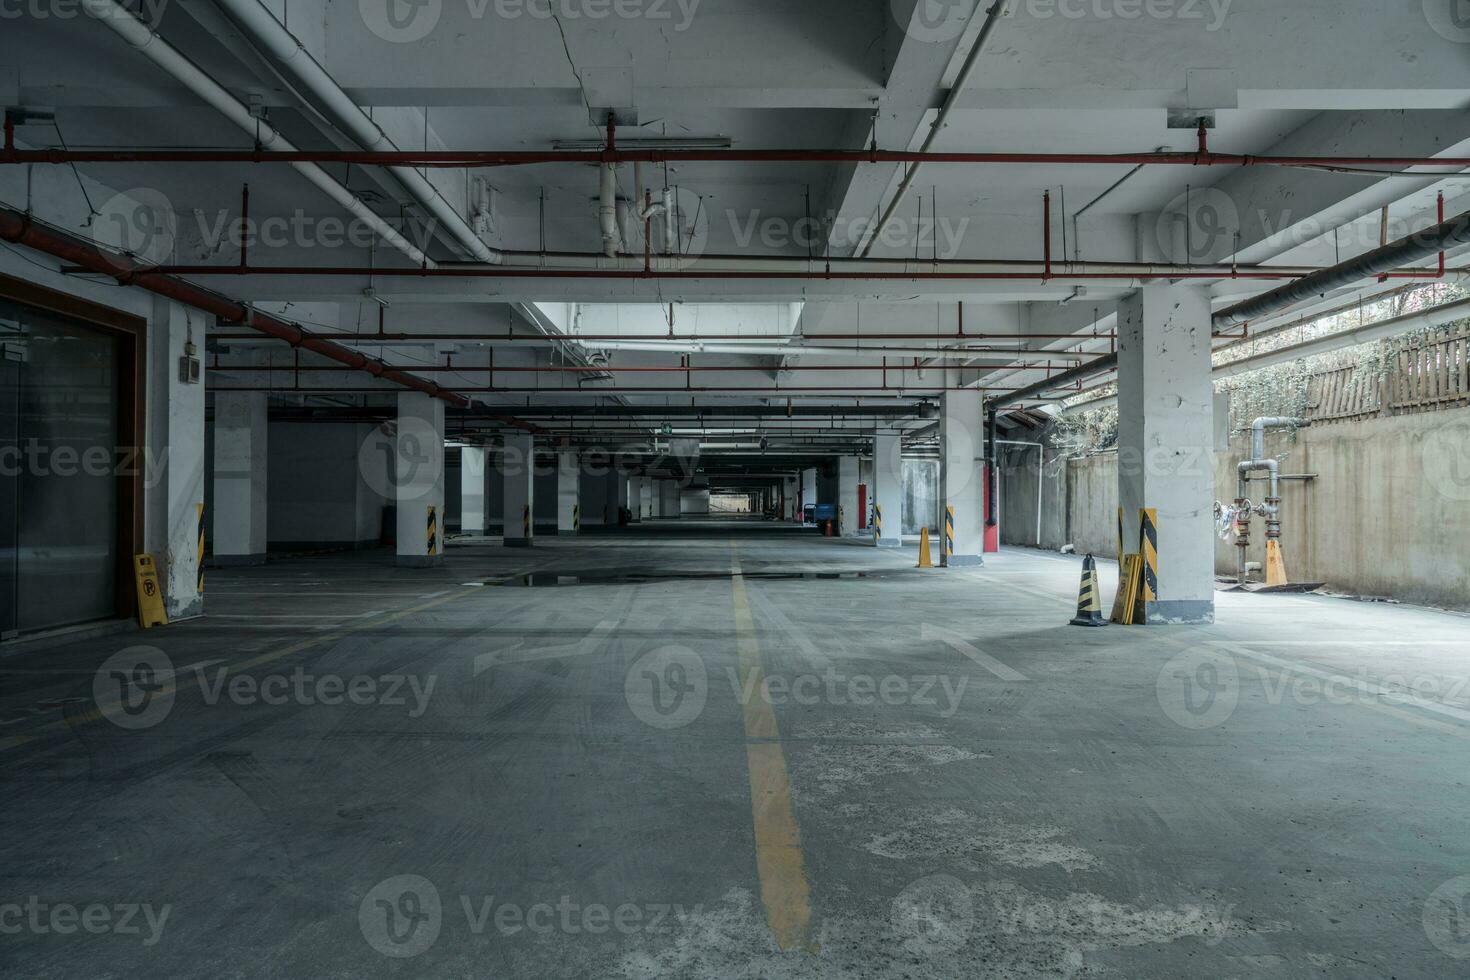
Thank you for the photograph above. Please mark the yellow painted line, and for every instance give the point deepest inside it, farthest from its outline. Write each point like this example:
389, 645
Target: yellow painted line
172, 686
784, 889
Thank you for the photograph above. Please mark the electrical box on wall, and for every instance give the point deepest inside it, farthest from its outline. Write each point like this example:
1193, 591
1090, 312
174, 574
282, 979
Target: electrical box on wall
189, 369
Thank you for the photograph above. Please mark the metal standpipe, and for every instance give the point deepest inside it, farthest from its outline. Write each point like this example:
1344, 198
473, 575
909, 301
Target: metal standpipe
1270, 508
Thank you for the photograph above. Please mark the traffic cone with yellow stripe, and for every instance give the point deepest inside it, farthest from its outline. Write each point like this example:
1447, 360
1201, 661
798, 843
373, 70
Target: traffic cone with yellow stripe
1089, 598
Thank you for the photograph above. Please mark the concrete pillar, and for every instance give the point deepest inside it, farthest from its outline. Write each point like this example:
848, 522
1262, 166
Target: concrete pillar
847, 496
808, 492
962, 477
645, 497
633, 499
175, 502
419, 479
617, 495
888, 489
520, 490
472, 510
669, 499
1165, 442
568, 493
240, 461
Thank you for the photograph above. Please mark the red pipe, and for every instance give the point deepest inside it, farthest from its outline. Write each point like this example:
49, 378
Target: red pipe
244, 227
835, 390
587, 369
513, 158
20, 229
708, 338
1046, 234
500, 272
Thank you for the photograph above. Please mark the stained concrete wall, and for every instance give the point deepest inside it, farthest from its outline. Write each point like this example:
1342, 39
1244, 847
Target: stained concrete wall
1387, 515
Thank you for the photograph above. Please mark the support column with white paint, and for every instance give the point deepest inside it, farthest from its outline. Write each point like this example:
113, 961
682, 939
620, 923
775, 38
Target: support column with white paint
419, 479
568, 493
888, 490
472, 510
174, 510
847, 497
962, 479
520, 490
1166, 443
240, 429
808, 492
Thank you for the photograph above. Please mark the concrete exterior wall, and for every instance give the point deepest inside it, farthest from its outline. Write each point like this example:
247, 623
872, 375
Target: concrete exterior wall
694, 503
316, 492
1387, 514
596, 510
1018, 497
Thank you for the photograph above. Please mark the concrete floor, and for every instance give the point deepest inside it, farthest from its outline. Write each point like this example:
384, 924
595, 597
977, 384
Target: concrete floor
553, 776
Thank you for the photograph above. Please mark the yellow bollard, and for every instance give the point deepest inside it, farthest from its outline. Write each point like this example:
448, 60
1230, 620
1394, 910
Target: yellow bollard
924, 560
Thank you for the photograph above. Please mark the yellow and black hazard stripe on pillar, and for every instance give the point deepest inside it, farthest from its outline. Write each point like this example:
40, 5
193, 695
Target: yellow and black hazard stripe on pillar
576, 517
948, 532
1148, 547
199, 568
878, 521
433, 532
526, 521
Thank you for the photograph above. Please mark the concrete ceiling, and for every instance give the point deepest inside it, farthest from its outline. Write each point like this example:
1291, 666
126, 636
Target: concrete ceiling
1096, 76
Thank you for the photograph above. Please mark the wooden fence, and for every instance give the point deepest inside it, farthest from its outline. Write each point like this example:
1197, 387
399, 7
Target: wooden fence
1427, 378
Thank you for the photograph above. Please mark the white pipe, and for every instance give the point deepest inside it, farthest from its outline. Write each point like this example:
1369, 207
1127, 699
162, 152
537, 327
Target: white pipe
669, 244
261, 27
165, 56
607, 209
